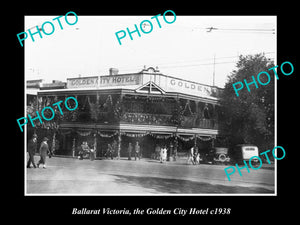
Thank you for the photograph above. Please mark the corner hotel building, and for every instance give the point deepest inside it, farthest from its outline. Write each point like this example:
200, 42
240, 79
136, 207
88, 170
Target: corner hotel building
148, 107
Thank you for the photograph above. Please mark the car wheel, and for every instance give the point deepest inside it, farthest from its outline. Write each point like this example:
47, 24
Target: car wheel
222, 158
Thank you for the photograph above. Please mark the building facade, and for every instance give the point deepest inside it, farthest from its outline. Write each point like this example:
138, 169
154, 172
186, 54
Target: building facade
146, 107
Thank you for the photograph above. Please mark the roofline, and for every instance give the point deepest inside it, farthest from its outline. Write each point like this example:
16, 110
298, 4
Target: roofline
147, 73
80, 91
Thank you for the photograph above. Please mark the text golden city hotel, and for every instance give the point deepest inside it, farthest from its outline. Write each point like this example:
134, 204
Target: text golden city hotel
148, 107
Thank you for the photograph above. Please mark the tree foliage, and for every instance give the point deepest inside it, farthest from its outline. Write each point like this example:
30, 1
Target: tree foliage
249, 117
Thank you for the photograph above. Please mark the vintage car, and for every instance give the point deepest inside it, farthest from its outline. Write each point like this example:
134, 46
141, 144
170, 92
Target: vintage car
221, 155
244, 152
217, 155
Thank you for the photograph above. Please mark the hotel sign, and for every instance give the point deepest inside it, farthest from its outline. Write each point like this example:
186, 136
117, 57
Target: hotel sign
120, 80
104, 81
190, 87
83, 82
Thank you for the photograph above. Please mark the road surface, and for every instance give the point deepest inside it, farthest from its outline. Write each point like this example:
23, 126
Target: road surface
142, 177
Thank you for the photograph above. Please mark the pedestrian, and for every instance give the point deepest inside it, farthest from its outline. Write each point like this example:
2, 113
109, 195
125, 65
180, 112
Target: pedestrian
171, 152
92, 154
109, 152
157, 152
137, 150
80, 152
114, 148
85, 150
191, 156
44, 148
50, 153
196, 156
129, 150
163, 154
31, 148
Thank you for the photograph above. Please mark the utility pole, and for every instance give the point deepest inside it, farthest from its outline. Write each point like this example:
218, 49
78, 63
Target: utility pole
214, 70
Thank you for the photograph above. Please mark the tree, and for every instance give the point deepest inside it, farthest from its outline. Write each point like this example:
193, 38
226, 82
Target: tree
249, 117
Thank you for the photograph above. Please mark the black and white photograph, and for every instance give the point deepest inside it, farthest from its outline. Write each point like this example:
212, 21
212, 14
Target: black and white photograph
159, 104
153, 111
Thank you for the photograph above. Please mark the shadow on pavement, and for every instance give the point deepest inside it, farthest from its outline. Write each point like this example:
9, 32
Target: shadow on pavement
176, 186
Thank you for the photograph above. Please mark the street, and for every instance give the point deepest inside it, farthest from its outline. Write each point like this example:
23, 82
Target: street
142, 177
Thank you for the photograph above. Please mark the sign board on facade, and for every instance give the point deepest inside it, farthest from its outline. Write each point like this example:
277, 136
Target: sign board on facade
189, 87
104, 81
167, 83
82, 82
120, 80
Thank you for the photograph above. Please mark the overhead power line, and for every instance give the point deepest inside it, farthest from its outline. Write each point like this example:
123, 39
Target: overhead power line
209, 29
210, 61
194, 62
198, 64
244, 29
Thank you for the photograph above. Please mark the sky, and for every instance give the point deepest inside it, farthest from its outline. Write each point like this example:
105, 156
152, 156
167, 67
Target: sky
183, 49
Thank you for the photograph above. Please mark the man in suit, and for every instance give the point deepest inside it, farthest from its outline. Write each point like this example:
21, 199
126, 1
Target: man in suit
31, 148
43, 152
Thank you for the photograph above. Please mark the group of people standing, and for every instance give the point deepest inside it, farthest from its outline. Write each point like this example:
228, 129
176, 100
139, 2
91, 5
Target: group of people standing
86, 150
111, 150
43, 150
133, 151
137, 151
160, 153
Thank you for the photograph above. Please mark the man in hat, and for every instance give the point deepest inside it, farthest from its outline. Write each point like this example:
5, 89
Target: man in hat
43, 152
31, 148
